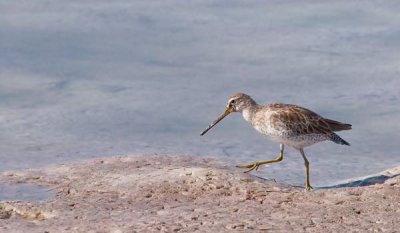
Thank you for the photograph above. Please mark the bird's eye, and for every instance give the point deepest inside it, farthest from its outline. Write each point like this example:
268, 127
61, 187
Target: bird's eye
232, 101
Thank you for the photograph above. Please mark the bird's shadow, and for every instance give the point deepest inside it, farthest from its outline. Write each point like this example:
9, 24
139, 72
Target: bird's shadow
379, 179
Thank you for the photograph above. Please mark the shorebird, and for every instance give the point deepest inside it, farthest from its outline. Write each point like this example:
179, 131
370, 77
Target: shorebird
286, 124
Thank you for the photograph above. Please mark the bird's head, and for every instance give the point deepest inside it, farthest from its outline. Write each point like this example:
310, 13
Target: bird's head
236, 103
239, 101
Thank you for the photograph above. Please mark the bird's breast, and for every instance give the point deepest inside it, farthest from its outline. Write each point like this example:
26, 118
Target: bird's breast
261, 121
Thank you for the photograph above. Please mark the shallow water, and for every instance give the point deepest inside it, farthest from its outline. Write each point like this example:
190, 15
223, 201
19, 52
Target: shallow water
23, 192
100, 78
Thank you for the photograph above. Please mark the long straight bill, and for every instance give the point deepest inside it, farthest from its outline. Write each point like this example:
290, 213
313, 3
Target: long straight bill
222, 116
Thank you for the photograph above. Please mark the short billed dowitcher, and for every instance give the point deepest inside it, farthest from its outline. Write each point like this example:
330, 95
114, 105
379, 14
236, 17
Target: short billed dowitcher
286, 124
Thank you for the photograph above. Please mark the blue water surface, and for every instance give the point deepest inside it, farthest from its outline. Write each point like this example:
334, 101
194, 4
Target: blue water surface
83, 79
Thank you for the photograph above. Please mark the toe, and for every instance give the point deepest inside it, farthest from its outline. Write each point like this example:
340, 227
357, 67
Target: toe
251, 165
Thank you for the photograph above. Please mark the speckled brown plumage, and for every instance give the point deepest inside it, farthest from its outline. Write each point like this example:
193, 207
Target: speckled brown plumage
288, 122
304, 121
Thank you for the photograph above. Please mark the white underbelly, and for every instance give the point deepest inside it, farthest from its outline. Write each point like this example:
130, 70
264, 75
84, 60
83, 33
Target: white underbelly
297, 142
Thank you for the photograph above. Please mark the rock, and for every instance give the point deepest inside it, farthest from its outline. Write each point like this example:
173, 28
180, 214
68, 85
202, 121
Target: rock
185, 194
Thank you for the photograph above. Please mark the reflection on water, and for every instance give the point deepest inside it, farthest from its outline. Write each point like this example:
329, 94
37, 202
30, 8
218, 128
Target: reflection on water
92, 78
23, 192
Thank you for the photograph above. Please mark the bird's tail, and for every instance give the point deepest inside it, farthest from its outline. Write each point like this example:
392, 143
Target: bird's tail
337, 126
336, 139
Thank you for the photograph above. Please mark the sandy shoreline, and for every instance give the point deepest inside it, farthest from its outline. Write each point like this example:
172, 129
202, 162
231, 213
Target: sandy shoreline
186, 194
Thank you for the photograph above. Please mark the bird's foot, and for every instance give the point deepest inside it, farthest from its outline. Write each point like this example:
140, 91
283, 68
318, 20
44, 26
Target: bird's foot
308, 187
251, 166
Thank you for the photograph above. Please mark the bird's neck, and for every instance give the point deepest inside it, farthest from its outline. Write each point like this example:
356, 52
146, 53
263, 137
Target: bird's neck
249, 112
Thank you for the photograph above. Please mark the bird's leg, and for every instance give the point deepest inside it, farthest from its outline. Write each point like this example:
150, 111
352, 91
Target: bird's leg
306, 164
255, 165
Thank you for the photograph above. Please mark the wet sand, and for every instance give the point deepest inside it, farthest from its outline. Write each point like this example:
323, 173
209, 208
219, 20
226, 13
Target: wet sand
186, 194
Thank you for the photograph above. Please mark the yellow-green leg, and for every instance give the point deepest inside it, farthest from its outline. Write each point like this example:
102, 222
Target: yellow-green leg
255, 165
306, 164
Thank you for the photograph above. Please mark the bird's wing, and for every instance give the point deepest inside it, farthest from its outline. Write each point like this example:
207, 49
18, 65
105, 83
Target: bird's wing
299, 120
